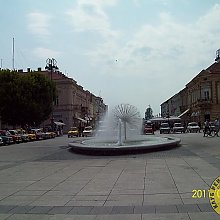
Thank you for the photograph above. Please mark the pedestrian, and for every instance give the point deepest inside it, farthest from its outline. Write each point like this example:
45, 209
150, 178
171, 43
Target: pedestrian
207, 128
217, 125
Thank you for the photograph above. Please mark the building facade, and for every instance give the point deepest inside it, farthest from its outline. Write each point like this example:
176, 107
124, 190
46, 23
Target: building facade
200, 99
73, 105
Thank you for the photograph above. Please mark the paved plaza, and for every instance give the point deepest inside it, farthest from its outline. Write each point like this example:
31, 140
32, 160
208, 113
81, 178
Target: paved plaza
46, 180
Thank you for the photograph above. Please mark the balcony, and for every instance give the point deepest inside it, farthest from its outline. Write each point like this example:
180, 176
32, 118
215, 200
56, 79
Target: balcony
203, 103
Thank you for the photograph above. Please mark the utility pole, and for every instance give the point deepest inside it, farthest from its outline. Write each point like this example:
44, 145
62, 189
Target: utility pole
51, 65
1, 63
13, 53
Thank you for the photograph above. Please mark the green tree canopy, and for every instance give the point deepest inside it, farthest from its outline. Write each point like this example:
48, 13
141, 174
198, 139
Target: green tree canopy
148, 113
25, 98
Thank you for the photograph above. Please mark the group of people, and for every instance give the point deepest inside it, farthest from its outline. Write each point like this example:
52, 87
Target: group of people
211, 130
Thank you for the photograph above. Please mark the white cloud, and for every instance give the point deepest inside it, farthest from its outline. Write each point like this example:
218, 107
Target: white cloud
168, 48
44, 53
38, 24
90, 16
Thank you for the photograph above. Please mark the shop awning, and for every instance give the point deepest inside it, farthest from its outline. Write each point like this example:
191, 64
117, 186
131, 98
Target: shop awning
59, 123
183, 113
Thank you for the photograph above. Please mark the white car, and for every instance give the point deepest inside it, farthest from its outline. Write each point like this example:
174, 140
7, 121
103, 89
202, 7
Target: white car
177, 127
193, 127
87, 132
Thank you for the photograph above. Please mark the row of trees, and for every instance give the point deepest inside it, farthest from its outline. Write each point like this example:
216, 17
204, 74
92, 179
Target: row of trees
25, 98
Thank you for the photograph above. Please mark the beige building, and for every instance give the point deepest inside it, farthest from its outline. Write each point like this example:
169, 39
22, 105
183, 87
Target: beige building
73, 104
200, 99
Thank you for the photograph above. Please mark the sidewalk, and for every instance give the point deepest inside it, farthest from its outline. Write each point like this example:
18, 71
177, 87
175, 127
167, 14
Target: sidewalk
53, 183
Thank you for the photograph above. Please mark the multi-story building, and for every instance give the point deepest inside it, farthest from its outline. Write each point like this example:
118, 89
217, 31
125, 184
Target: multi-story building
200, 99
73, 105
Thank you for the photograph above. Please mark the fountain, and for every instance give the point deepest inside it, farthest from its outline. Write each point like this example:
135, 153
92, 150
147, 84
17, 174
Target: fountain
120, 135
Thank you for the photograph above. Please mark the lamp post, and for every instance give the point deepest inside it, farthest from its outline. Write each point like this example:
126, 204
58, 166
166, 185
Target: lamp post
51, 65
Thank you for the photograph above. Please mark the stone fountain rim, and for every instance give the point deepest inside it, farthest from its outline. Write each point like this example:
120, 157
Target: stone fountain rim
85, 149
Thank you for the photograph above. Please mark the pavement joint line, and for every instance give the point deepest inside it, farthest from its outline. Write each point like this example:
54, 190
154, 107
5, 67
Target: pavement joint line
145, 175
100, 210
173, 181
113, 186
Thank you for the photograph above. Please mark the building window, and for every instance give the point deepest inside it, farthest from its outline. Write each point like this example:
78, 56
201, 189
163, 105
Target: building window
218, 91
56, 101
206, 95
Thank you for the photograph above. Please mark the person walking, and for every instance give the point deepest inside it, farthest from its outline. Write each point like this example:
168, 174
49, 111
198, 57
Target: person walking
207, 128
217, 125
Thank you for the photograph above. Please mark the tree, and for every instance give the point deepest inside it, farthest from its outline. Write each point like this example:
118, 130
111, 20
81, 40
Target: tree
148, 113
25, 98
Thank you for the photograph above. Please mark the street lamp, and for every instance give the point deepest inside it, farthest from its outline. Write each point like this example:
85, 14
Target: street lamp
51, 65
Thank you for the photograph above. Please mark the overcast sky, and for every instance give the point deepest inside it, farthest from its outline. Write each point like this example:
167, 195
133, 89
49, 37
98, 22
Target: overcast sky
139, 52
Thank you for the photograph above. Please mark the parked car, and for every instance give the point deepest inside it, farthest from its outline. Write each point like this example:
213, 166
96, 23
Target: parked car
193, 127
148, 128
23, 134
50, 134
38, 132
6, 139
88, 131
16, 137
73, 132
178, 127
31, 135
1, 141
164, 128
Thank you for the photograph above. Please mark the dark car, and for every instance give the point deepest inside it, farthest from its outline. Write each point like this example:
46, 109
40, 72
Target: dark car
5, 138
164, 128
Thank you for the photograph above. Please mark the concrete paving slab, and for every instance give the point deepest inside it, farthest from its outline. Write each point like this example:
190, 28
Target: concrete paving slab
18, 200
144, 209
4, 216
40, 209
119, 217
60, 210
166, 209
21, 209
30, 217
123, 210
205, 207
85, 203
6, 208
101, 210
73, 217
82, 210
120, 200
162, 199
171, 216
185, 208
204, 216
46, 200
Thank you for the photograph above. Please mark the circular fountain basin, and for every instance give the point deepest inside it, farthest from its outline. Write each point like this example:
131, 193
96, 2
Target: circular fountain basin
138, 144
